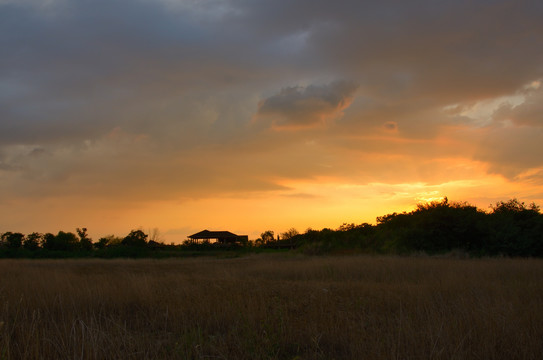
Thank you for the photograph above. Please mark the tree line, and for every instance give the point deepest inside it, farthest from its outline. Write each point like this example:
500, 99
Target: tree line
78, 244
510, 228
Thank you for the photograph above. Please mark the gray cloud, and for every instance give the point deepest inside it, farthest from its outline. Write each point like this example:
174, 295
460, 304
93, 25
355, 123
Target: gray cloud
93, 65
130, 99
446, 50
306, 106
83, 67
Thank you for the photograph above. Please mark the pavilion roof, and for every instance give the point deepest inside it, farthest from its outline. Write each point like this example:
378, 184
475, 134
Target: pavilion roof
206, 234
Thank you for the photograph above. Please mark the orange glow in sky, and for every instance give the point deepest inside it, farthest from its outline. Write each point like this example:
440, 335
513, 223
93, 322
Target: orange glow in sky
188, 116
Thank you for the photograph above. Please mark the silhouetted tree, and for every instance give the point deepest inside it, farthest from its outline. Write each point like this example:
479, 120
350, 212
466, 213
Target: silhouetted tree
135, 238
63, 241
267, 237
516, 229
515, 208
32, 241
154, 235
155, 245
12, 240
346, 227
85, 242
102, 243
289, 234
48, 241
3, 238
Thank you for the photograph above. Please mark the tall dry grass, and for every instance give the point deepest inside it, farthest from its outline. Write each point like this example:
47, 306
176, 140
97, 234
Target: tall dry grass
272, 307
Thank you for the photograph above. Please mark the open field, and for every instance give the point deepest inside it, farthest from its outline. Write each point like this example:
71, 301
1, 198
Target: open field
272, 307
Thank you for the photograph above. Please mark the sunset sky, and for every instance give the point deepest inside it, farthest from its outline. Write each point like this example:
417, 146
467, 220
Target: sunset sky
254, 115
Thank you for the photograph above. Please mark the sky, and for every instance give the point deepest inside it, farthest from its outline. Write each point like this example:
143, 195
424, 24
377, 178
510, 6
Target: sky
255, 115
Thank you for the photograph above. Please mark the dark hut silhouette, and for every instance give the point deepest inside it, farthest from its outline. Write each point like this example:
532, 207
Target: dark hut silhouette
221, 237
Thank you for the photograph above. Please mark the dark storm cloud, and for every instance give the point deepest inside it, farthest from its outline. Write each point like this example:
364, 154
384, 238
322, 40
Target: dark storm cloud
82, 68
446, 51
306, 106
460, 48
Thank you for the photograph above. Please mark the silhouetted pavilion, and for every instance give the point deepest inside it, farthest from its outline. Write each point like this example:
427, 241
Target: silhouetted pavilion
222, 237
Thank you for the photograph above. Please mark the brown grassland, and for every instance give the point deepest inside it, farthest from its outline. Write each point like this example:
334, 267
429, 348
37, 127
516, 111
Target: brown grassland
272, 306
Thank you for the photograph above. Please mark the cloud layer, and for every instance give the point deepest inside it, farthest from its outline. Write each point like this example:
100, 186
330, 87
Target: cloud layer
136, 102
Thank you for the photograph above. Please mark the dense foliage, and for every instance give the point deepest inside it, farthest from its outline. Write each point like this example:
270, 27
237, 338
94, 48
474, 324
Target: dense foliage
510, 228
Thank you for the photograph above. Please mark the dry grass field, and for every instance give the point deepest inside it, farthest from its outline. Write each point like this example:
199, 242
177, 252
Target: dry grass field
272, 307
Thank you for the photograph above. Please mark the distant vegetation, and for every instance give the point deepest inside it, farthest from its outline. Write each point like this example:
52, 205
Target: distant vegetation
510, 228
